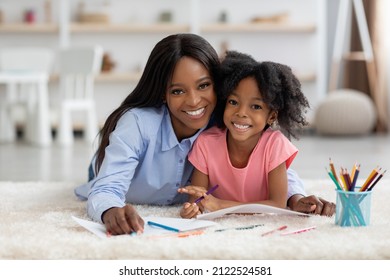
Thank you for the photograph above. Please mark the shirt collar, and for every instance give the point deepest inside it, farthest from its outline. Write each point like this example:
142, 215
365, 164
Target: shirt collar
169, 139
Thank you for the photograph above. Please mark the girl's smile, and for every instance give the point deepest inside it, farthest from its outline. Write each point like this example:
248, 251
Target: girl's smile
246, 114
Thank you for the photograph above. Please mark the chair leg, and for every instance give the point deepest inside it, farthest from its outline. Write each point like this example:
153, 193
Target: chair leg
7, 128
7, 125
65, 131
31, 107
37, 129
91, 129
44, 137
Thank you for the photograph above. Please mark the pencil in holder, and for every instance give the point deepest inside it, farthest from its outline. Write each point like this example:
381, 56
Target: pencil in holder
353, 208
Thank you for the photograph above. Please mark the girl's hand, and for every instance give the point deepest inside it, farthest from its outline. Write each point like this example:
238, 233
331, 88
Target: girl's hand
210, 203
189, 210
123, 220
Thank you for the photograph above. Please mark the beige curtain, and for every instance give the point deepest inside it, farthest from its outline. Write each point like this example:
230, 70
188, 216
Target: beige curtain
359, 74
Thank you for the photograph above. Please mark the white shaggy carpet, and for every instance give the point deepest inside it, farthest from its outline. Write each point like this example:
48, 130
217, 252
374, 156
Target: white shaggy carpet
36, 223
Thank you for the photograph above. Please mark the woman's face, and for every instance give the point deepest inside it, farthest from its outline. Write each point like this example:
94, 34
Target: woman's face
190, 97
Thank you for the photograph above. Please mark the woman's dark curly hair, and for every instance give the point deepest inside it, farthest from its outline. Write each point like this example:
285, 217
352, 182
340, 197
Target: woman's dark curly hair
279, 87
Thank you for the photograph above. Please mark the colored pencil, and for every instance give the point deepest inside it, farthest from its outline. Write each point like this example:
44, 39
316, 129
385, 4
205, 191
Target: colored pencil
355, 176
334, 180
179, 234
376, 181
369, 179
347, 179
240, 228
333, 170
274, 230
298, 231
344, 183
353, 171
163, 226
207, 193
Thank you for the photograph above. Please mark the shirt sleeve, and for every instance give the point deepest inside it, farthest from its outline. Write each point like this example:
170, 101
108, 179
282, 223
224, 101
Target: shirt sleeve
109, 187
197, 155
295, 184
284, 151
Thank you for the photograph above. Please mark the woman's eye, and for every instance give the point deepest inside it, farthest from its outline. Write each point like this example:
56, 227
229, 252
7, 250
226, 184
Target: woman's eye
176, 91
205, 85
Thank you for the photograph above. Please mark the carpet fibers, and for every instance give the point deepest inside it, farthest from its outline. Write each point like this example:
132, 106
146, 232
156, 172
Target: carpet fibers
36, 223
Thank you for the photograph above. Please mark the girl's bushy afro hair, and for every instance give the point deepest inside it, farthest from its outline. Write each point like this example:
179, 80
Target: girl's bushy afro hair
279, 87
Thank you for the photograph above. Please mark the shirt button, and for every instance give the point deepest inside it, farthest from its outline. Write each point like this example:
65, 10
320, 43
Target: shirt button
177, 185
181, 161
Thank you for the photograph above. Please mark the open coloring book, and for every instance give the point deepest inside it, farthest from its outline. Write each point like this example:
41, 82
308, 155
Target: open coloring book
248, 209
183, 225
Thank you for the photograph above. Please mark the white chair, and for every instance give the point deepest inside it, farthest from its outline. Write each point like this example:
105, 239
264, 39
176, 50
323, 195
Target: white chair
77, 69
25, 73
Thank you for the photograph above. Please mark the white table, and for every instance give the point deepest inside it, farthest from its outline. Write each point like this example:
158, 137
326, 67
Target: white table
38, 130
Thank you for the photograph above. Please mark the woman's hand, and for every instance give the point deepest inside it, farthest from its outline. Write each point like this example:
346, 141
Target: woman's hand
312, 205
123, 220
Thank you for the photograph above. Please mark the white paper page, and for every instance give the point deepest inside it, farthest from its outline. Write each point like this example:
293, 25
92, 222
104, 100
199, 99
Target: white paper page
96, 228
248, 209
178, 223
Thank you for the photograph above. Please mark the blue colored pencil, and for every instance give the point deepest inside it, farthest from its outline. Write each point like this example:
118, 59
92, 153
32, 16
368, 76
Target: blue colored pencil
163, 226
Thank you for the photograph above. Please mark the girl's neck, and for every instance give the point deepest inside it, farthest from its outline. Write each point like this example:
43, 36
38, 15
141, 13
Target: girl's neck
240, 151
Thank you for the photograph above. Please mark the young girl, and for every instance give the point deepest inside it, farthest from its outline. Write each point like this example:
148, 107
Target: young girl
142, 156
244, 155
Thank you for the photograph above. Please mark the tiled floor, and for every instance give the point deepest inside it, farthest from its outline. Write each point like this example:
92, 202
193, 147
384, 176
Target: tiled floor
21, 162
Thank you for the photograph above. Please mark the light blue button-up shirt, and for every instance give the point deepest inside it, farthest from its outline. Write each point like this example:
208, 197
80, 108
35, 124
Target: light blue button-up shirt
145, 164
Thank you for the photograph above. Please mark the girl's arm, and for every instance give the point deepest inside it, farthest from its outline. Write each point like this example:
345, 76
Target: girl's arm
277, 187
277, 181
198, 188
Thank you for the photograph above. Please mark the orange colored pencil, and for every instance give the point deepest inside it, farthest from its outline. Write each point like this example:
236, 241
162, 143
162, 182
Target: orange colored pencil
369, 179
376, 181
333, 170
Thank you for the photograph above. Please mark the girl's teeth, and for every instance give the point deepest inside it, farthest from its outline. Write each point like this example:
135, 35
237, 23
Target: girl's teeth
240, 126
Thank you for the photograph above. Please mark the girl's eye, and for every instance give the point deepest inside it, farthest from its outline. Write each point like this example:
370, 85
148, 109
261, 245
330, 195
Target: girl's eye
232, 102
176, 91
257, 107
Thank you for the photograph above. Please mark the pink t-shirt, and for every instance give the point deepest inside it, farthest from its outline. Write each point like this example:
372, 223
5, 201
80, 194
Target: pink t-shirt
249, 184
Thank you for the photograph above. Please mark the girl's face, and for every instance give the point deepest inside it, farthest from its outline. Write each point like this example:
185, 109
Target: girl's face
246, 114
190, 97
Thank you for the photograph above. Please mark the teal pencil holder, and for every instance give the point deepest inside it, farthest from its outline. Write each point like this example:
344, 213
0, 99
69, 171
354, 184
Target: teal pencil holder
353, 208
